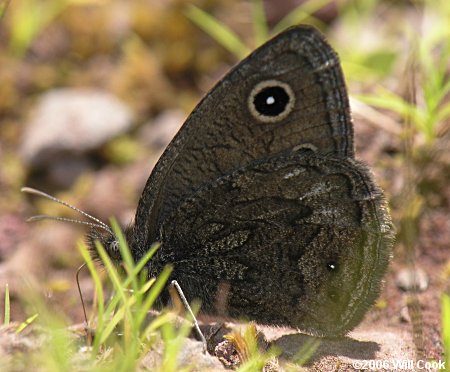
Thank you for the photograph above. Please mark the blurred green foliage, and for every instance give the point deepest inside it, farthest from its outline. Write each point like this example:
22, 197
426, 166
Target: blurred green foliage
153, 44
219, 31
6, 307
123, 331
445, 301
3, 6
29, 18
231, 41
123, 323
250, 354
429, 53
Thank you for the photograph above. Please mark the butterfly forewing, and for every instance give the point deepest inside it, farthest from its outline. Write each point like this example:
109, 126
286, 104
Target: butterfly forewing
223, 133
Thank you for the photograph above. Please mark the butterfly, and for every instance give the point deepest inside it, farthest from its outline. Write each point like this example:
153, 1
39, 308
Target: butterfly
258, 202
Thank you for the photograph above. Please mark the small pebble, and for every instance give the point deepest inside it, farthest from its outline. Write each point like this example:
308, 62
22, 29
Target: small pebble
72, 120
409, 279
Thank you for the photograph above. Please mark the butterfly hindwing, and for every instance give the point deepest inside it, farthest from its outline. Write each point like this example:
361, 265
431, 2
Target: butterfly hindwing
299, 240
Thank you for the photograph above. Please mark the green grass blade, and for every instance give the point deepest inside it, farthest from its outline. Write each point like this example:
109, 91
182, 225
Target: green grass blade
137, 269
300, 14
29, 19
218, 31
443, 92
7, 317
446, 329
98, 290
146, 286
386, 100
142, 262
113, 275
119, 290
3, 6
118, 316
126, 255
123, 246
260, 27
120, 313
156, 323
26, 323
173, 342
132, 305
306, 351
156, 289
252, 356
444, 113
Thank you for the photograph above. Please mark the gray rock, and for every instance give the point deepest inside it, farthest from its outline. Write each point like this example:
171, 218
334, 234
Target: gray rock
412, 279
72, 120
191, 357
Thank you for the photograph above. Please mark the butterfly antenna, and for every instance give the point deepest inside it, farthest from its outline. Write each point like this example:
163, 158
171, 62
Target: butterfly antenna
70, 220
88, 333
97, 223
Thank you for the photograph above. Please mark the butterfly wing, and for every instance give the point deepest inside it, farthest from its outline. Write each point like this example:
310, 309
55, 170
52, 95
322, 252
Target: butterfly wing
299, 240
288, 93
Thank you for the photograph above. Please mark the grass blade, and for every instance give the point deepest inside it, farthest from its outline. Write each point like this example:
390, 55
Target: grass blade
446, 329
306, 351
160, 282
300, 13
98, 290
26, 323
126, 255
135, 271
218, 31
7, 317
260, 27
3, 6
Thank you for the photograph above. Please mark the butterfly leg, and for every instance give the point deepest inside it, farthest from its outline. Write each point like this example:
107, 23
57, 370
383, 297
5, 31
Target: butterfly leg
175, 286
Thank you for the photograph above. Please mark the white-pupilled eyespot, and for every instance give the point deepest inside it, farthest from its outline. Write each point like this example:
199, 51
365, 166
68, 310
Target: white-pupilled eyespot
271, 101
332, 266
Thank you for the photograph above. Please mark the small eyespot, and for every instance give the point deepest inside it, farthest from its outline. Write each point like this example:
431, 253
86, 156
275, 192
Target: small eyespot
271, 101
332, 266
304, 146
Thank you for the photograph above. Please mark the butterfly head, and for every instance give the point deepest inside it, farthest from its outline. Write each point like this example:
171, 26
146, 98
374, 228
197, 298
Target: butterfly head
108, 241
